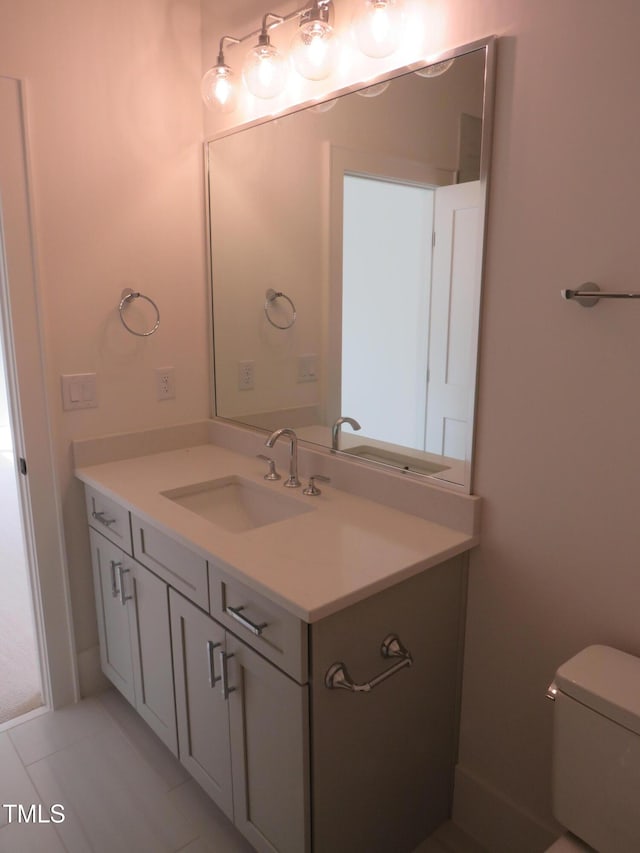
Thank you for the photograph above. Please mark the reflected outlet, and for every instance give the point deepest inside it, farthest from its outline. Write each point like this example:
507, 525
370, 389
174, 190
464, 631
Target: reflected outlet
246, 373
308, 368
165, 383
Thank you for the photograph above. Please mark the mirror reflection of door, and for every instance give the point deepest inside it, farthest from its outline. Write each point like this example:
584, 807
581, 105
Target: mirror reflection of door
408, 301
453, 304
385, 306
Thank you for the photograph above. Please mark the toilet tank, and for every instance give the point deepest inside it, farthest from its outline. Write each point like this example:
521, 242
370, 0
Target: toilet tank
596, 748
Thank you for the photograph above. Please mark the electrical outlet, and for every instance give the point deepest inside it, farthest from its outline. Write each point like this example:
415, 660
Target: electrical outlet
246, 371
308, 368
165, 383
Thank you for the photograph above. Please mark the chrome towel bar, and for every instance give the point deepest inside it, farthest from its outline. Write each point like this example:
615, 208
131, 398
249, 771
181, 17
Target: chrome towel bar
589, 294
337, 676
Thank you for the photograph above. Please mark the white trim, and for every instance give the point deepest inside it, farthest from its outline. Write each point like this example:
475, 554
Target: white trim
24, 718
26, 373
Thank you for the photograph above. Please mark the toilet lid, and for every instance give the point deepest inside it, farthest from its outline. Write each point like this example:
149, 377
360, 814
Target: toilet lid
606, 680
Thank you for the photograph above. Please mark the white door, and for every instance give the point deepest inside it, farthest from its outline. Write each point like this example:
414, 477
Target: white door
385, 306
454, 295
31, 434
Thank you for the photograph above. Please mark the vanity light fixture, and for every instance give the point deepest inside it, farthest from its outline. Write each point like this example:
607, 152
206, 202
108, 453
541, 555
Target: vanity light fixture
377, 26
314, 52
315, 47
218, 84
265, 68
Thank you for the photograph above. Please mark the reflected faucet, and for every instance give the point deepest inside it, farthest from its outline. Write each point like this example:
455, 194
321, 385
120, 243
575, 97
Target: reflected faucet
293, 481
335, 430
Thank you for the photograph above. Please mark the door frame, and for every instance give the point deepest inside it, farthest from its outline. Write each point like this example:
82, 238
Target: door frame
26, 371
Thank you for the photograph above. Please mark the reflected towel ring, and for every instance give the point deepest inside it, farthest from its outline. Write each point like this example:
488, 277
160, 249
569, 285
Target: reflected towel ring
272, 295
127, 295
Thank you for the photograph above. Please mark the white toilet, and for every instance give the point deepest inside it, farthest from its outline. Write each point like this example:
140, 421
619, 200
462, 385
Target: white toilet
596, 752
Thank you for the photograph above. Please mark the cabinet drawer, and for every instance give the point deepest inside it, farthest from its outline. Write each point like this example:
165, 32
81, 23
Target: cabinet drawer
274, 632
181, 568
109, 518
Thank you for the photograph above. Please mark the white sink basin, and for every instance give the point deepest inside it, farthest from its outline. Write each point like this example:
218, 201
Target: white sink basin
398, 460
236, 504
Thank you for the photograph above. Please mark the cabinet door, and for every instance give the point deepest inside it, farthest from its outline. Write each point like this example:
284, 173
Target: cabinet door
269, 716
108, 563
151, 644
202, 711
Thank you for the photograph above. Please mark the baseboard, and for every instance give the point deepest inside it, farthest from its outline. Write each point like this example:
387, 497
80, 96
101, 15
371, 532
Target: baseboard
497, 823
90, 675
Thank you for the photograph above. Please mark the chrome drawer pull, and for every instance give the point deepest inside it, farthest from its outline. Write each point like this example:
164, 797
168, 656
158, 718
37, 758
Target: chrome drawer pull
101, 517
114, 585
337, 675
213, 678
235, 613
121, 573
226, 690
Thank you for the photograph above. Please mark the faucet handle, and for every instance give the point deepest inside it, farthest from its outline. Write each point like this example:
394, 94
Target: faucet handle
312, 489
271, 474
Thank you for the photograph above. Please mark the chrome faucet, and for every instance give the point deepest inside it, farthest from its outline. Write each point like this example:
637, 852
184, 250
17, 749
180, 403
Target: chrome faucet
335, 430
293, 481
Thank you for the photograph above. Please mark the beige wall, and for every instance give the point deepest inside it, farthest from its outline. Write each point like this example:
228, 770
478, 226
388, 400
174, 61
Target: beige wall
557, 458
117, 186
115, 128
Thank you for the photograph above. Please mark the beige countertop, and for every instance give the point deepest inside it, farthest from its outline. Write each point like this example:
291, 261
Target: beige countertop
313, 564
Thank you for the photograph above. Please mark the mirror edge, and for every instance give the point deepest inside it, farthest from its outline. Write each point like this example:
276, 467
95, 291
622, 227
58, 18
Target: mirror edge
489, 45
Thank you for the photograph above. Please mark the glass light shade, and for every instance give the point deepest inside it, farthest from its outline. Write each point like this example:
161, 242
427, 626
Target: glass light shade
265, 71
218, 89
437, 69
377, 26
375, 90
314, 50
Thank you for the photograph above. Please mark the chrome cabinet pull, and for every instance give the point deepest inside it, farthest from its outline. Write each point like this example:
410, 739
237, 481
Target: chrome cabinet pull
121, 573
102, 518
337, 676
224, 670
213, 678
235, 613
114, 586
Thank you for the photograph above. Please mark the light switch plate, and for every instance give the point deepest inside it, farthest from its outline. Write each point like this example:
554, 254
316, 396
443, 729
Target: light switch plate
79, 391
308, 368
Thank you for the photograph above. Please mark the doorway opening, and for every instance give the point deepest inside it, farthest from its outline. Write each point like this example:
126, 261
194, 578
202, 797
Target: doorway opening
20, 678
32, 555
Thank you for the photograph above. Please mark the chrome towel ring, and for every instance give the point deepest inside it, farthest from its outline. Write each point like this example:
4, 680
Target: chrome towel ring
127, 296
272, 295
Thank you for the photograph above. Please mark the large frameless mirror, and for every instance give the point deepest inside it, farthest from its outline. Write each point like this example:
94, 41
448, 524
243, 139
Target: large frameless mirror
346, 258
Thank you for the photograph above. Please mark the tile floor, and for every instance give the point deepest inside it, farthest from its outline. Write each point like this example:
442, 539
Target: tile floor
122, 790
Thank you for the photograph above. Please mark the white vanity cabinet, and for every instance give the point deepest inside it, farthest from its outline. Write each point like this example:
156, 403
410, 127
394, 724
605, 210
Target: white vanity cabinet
135, 641
243, 728
301, 762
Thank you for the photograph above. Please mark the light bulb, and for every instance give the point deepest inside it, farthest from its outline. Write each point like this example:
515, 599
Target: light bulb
377, 26
314, 48
265, 69
218, 89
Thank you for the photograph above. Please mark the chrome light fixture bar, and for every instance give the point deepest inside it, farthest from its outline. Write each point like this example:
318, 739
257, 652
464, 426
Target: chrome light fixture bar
314, 50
